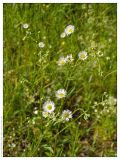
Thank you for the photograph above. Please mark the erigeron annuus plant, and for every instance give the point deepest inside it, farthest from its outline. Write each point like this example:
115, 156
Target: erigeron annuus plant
49, 106
58, 62
107, 105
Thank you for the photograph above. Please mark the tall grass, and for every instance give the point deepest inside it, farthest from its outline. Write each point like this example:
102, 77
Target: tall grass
32, 76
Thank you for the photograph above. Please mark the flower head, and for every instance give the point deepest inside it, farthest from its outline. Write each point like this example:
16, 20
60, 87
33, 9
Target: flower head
25, 26
49, 106
69, 58
61, 61
82, 55
35, 112
66, 115
41, 44
69, 29
62, 35
61, 93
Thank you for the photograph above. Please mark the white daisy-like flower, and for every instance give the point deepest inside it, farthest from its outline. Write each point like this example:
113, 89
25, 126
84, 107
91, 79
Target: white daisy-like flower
69, 29
25, 26
69, 58
61, 61
66, 115
41, 44
45, 114
82, 55
62, 35
61, 93
49, 106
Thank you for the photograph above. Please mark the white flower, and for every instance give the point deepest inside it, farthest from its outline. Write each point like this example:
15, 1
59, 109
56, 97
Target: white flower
62, 35
45, 114
66, 115
61, 61
69, 58
79, 123
49, 106
61, 93
69, 29
82, 55
35, 112
112, 101
13, 145
41, 45
25, 26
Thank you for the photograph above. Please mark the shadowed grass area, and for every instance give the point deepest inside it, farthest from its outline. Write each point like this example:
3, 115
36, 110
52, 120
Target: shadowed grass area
80, 119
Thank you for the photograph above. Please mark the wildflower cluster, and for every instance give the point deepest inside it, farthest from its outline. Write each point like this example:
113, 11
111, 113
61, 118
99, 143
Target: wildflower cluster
107, 106
69, 58
49, 107
41, 44
63, 60
68, 30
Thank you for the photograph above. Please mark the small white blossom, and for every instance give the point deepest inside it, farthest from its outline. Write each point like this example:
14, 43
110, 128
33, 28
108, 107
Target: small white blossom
99, 54
82, 55
49, 106
79, 123
66, 115
69, 58
61, 61
61, 93
69, 29
25, 26
13, 145
41, 44
35, 112
62, 35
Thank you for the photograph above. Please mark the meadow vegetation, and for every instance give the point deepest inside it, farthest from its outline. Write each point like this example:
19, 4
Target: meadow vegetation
60, 67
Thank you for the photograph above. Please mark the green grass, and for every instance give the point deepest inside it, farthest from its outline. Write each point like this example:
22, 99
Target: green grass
32, 76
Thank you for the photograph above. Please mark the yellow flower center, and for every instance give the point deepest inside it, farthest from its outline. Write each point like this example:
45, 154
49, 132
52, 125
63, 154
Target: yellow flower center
61, 94
62, 62
66, 115
82, 56
70, 30
49, 107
